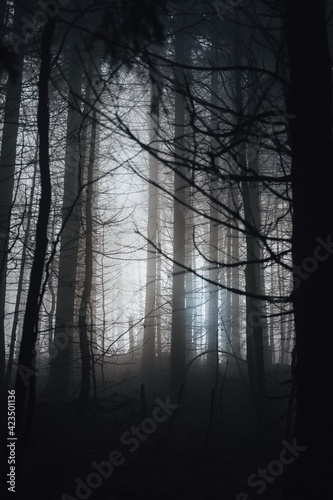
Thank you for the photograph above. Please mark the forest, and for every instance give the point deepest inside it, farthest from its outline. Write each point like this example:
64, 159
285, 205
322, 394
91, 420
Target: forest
166, 225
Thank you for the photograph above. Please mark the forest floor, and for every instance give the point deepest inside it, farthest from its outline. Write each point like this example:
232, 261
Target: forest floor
190, 459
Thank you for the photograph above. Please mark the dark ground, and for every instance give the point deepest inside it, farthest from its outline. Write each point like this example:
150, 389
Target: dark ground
178, 466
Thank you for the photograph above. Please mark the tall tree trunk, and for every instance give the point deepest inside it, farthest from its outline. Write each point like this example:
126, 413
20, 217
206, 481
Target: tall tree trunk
178, 327
241, 161
7, 170
159, 304
191, 349
51, 290
103, 333
20, 282
213, 289
272, 310
310, 99
148, 349
131, 335
86, 296
233, 277
248, 161
227, 321
60, 368
26, 372
253, 276
254, 323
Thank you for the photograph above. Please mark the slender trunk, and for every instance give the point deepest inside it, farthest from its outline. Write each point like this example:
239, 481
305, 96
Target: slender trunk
268, 349
213, 289
232, 316
235, 298
248, 161
159, 306
282, 357
178, 328
253, 278
60, 368
271, 323
148, 350
131, 335
7, 170
254, 323
241, 161
86, 296
20, 284
191, 351
103, 314
26, 372
53, 301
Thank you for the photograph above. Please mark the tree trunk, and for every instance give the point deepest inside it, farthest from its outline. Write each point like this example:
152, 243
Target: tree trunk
253, 271
7, 170
248, 161
310, 99
26, 372
227, 321
241, 160
27, 236
254, 323
213, 289
86, 296
178, 328
60, 368
159, 305
191, 347
148, 350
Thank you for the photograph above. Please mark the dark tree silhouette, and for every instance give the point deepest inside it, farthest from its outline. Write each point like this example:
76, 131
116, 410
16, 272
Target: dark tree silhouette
312, 181
26, 371
7, 170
